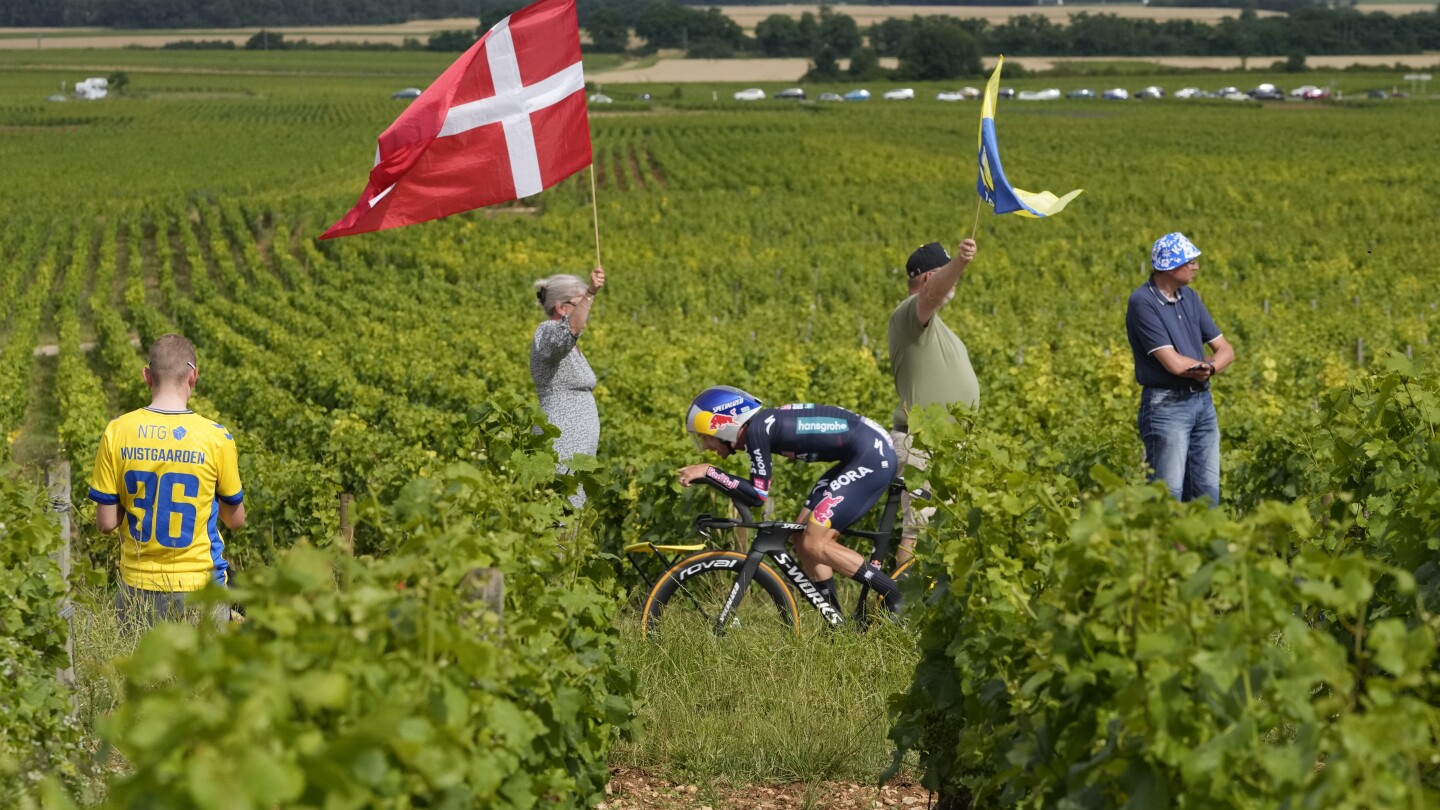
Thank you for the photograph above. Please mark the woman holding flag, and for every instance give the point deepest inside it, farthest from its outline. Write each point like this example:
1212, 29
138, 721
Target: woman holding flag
563, 379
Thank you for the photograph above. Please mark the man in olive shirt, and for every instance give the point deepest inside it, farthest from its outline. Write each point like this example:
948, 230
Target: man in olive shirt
930, 362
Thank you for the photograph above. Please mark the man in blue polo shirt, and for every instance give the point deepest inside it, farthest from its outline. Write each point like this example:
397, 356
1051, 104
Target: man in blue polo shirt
1169, 329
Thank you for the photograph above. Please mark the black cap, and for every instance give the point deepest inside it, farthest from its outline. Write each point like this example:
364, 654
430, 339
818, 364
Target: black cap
926, 258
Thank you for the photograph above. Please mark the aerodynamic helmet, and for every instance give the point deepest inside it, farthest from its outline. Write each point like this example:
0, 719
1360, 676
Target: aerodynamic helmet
719, 411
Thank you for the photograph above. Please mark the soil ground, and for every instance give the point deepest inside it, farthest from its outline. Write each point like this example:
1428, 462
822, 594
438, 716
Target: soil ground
636, 790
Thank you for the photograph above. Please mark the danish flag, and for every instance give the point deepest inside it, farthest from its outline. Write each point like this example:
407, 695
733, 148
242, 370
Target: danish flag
505, 121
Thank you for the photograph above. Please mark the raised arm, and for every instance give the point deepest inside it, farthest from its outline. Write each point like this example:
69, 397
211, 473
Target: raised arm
942, 282
580, 305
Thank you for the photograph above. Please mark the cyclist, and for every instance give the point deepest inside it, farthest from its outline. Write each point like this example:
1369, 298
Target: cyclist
726, 420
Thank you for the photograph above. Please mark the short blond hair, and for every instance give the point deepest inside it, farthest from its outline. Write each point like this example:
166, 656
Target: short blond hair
171, 358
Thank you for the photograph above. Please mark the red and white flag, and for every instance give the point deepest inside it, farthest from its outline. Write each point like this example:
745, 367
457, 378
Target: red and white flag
504, 122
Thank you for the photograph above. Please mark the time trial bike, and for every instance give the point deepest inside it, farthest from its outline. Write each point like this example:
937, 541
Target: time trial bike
730, 589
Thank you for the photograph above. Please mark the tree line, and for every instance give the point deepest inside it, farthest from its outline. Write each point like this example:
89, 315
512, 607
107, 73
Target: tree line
931, 47
225, 13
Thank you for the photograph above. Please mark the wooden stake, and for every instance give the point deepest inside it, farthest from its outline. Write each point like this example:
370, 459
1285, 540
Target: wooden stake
595, 212
347, 529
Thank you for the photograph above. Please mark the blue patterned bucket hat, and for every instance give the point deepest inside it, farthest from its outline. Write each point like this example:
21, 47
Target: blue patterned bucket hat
1171, 251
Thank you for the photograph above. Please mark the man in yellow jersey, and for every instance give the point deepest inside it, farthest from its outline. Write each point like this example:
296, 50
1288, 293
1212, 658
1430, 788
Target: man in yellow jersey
166, 477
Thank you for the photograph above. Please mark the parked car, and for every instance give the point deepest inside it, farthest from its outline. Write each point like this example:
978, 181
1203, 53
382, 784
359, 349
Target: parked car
902, 94
601, 98
1188, 92
953, 95
829, 97
409, 92
1116, 94
858, 95
970, 92
643, 97
1300, 91
1377, 94
1267, 92
1006, 92
1083, 92
791, 94
1151, 92
1049, 94
1317, 94
750, 94
1226, 92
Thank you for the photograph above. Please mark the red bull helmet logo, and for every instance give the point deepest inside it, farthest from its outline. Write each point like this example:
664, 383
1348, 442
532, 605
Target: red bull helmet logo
719, 420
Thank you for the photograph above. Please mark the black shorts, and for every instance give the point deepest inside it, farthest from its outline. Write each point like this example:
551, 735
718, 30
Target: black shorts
847, 490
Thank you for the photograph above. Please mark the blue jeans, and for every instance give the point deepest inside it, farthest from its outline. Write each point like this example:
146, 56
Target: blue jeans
1182, 442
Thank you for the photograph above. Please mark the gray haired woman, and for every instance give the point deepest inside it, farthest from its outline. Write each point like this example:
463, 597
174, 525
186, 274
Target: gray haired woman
563, 379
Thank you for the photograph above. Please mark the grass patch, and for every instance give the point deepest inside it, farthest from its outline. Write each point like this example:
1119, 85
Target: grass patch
765, 707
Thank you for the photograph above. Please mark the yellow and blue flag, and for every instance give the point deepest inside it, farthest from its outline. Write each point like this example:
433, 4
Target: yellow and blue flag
992, 185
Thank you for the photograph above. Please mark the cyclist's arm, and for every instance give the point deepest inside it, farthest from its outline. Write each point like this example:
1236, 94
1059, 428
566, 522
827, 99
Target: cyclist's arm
736, 487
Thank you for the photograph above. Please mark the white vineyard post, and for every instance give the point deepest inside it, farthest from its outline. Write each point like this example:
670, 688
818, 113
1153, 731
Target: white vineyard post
485, 586
57, 479
347, 529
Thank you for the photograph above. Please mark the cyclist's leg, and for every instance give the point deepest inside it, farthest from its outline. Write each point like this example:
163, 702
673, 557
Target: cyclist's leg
819, 573
814, 569
851, 492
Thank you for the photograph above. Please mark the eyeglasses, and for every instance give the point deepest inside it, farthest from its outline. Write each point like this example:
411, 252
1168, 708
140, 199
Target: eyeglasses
192, 365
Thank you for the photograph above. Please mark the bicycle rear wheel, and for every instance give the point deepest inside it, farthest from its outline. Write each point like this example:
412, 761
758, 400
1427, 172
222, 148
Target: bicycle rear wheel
693, 593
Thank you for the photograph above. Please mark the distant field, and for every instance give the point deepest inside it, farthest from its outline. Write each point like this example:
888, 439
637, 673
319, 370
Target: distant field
747, 16
790, 70
46, 38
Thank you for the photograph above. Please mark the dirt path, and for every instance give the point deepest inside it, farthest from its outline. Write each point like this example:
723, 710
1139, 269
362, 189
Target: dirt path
634, 790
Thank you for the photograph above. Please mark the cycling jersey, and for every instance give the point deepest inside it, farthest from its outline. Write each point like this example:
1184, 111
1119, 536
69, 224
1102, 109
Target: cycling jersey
861, 449
168, 472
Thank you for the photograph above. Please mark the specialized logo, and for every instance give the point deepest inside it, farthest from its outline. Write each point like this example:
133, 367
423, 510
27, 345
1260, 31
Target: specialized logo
721, 478
719, 420
178, 433
769, 420
849, 477
819, 424
808, 589
826, 508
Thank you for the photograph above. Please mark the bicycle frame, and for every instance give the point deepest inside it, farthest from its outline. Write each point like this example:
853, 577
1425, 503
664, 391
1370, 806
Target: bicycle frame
771, 539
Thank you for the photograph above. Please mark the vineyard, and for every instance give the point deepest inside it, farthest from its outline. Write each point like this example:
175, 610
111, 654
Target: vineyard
1086, 641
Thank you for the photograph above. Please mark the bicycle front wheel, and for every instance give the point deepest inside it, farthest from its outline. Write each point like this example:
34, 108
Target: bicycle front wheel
694, 591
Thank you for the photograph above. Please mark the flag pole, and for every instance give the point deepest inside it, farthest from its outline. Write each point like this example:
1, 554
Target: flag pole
595, 212
975, 228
